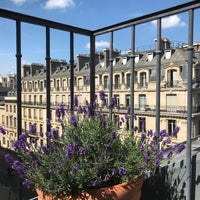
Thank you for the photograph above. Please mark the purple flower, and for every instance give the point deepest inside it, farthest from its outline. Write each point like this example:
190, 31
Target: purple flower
113, 102
2, 130
75, 100
122, 171
58, 113
168, 140
74, 170
54, 133
8, 159
160, 153
114, 172
157, 162
62, 110
41, 134
127, 116
20, 144
180, 148
169, 155
128, 110
73, 120
80, 110
19, 168
48, 121
70, 151
104, 123
150, 133
143, 137
175, 131
102, 95
163, 133
27, 183
32, 129
141, 148
113, 135
102, 157
106, 146
44, 149
48, 134
82, 151
107, 177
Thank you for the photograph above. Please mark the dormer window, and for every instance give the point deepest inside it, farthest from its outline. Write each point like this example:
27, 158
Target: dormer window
150, 56
124, 61
168, 54
137, 58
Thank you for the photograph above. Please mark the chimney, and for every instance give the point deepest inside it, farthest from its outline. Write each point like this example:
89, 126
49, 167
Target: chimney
106, 57
165, 43
35, 67
26, 70
82, 59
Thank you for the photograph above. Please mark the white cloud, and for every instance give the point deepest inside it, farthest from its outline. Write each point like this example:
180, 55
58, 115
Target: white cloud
171, 21
100, 44
18, 2
59, 4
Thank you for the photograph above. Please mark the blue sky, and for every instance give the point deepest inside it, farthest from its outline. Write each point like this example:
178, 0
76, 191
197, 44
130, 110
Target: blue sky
89, 14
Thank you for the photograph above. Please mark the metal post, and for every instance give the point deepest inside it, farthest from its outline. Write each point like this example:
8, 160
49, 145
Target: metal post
132, 56
111, 73
48, 91
92, 69
72, 70
158, 74
19, 88
189, 105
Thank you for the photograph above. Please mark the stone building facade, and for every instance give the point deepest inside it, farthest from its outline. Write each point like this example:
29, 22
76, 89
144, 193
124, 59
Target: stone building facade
173, 96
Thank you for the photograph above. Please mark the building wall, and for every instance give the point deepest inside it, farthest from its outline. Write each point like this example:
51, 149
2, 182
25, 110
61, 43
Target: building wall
173, 96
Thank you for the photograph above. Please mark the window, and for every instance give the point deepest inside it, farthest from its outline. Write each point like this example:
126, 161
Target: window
171, 126
143, 81
6, 120
80, 83
29, 113
6, 108
171, 78
150, 57
168, 54
3, 119
14, 109
117, 82
25, 126
117, 98
64, 99
11, 121
41, 128
128, 80
40, 114
171, 103
142, 124
142, 101
41, 99
35, 99
10, 108
29, 98
105, 82
15, 122
57, 99
35, 113
127, 100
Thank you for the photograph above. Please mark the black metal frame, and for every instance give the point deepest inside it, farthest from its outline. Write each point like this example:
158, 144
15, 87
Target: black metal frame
186, 7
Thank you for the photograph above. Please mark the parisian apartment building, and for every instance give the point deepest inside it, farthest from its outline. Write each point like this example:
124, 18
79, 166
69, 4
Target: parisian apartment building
173, 95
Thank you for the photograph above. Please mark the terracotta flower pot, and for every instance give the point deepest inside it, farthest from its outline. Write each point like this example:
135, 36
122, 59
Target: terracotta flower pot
123, 191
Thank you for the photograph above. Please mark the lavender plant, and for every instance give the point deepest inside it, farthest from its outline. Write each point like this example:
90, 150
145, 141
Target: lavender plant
89, 153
